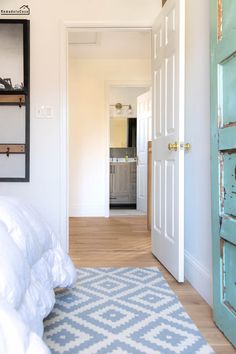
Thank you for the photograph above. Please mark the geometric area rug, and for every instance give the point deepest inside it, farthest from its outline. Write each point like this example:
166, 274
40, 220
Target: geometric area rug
121, 311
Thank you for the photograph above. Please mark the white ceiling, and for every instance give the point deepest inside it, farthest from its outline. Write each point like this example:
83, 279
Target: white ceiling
110, 44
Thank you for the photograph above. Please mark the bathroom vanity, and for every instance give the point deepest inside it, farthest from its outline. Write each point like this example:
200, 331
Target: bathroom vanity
123, 182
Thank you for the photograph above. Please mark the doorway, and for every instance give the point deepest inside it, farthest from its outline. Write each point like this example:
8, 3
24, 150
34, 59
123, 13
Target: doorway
90, 193
129, 132
101, 61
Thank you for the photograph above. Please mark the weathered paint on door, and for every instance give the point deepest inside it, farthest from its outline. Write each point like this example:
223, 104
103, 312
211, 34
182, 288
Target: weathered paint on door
223, 121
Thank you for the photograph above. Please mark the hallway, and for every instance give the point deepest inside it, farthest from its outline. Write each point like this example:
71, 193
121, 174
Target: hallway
125, 242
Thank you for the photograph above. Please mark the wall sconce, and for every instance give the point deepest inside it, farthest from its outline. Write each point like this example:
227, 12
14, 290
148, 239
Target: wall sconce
119, 109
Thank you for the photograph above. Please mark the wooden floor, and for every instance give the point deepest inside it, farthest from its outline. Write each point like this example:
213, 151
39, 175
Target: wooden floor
125, 242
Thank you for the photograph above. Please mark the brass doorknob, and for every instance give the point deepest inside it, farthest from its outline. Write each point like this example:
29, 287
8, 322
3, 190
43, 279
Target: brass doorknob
187, 147
173, 147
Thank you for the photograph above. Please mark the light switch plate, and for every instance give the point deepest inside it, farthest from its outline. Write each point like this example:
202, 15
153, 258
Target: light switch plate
44, 112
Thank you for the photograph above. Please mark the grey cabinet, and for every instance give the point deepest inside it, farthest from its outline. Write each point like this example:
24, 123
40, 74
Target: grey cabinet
133, 185
123, 183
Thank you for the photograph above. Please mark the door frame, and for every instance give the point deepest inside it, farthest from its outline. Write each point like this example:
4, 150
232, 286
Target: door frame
149, 126
108, 86
64, 114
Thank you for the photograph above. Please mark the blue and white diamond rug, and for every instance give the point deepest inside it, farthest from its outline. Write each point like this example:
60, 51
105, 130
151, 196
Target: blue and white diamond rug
121, 311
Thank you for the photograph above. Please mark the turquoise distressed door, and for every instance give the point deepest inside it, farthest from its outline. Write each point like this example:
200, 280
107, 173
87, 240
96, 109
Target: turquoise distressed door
223, 122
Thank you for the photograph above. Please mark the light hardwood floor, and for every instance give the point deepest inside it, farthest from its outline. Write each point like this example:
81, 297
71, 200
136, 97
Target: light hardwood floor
125, 242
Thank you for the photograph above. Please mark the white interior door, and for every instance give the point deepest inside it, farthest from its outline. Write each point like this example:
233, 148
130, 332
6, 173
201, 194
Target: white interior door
168, 128
144, 134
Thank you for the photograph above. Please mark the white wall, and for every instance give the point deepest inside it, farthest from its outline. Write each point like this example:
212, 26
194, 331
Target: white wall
46, 20
127, 95
198, 266
89, 127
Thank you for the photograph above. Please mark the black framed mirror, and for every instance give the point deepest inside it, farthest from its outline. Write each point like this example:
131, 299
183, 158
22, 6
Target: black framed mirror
14, 100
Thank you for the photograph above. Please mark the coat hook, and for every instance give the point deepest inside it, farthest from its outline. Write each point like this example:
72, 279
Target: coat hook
8, 152
20, 102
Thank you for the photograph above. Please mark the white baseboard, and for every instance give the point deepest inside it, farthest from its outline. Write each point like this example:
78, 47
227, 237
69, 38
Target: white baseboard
199, 277
87, 210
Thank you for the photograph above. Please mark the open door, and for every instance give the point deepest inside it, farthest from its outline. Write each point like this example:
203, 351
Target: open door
144, 134
168, 137
223, 165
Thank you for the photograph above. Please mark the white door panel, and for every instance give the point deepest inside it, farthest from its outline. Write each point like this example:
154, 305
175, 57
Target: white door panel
168, 127
144, 134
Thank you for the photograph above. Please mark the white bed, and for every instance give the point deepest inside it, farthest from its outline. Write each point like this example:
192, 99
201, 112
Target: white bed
32, 264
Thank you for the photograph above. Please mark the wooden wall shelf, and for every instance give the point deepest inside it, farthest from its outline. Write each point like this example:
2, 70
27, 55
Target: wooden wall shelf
17, 100
12, 149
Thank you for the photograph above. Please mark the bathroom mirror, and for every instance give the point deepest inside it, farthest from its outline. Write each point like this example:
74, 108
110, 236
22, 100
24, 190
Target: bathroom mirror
118, 132
123, 132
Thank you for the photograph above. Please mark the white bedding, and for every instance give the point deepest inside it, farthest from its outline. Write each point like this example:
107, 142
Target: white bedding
32, 263
15, 336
